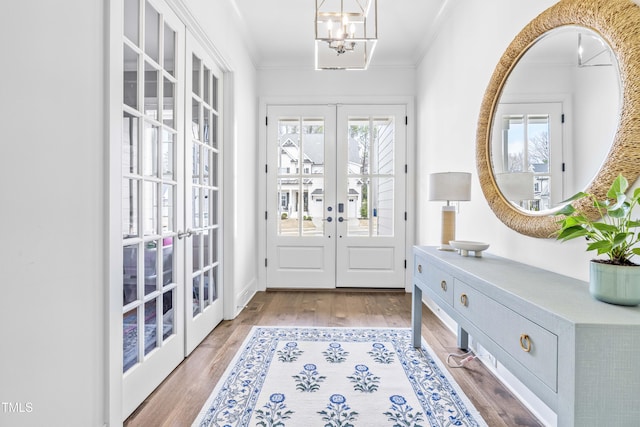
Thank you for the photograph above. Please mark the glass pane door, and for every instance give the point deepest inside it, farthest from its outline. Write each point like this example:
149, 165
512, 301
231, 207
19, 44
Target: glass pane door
301, 196
335, 196
371, 198
203, 256
151, 201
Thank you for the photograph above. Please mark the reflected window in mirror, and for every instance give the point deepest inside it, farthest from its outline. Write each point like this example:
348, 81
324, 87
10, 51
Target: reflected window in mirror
557, 115
529, 139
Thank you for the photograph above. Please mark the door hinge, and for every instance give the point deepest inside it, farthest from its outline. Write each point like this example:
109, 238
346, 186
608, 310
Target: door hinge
405, 264
405, 216
265, 215
265, 262
266, 168
266, 120
406, 120
562, 118
406, 168
563, 167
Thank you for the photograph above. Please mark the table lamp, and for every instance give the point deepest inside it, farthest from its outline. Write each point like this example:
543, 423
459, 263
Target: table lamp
449, 187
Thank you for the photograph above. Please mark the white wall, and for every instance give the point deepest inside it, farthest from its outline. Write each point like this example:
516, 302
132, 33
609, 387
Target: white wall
309, 85
52, 214
596, 111
451, 81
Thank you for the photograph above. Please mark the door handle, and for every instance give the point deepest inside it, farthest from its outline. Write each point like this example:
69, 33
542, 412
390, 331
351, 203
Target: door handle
329, 219
340, 219
187, 233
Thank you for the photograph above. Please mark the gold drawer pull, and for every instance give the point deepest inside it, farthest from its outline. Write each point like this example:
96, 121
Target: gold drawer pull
464, 299
419, 268
525, 343
443, 285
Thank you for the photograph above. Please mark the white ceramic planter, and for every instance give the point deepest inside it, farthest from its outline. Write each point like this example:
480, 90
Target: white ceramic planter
615, 284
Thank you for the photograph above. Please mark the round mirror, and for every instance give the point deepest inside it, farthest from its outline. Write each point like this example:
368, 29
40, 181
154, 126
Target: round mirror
577, 63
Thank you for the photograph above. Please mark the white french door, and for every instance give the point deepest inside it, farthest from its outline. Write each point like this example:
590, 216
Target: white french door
152, 199
371, 196
336, 196
203, 233
301, 196
171, 197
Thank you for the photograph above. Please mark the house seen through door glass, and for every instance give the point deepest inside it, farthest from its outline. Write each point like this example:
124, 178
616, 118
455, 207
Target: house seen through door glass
301, 189
335, 196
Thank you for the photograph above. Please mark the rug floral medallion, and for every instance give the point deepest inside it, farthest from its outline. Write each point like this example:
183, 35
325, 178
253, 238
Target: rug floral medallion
336, 377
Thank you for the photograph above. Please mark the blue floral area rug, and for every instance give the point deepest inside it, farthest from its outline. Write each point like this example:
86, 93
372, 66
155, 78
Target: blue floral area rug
336, 377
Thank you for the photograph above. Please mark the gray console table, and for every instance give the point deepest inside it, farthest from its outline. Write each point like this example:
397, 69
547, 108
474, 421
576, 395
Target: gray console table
578, 355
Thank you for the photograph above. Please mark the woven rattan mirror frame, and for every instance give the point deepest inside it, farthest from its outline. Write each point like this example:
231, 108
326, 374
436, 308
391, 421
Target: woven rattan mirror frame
617, 21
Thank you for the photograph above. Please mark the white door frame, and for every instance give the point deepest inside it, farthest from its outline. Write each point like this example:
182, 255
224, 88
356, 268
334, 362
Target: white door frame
411, 168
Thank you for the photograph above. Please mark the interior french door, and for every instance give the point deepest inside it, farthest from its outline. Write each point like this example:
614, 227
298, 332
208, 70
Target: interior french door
203, 235
335, 196
152, 199
171, 197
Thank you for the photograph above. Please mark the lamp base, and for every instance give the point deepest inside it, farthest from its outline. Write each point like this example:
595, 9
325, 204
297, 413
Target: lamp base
448, 228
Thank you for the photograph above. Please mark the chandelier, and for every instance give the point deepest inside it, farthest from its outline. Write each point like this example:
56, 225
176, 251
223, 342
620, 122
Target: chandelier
346, 33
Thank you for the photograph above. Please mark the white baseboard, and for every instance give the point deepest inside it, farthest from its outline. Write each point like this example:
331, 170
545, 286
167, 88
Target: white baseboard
243, 297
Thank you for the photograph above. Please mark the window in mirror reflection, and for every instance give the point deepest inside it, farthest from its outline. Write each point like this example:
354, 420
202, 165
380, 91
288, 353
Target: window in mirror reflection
525, 148
528, 150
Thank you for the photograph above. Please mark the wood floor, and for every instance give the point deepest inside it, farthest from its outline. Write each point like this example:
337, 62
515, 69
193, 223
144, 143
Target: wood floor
178, 400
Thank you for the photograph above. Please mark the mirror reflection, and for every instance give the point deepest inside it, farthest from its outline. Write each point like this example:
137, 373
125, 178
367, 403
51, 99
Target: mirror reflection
556, 119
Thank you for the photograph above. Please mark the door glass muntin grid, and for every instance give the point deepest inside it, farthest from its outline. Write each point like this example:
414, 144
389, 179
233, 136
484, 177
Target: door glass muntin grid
149, 185
205, 191
371, 174
300, 176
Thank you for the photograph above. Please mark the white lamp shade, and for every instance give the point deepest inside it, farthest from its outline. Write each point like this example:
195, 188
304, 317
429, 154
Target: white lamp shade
516, 186
450, 186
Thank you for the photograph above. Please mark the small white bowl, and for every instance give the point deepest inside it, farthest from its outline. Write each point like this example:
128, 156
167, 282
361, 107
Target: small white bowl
464, 247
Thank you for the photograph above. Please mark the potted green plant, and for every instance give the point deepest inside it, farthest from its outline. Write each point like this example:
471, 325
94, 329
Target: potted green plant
616, 234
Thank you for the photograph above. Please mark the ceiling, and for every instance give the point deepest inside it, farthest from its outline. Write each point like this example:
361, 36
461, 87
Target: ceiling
280, 33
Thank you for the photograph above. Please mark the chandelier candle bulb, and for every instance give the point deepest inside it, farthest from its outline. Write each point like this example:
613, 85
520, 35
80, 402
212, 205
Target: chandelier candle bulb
350, 44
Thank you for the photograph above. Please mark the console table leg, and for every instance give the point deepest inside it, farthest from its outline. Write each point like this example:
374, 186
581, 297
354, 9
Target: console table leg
416, 316
463, 339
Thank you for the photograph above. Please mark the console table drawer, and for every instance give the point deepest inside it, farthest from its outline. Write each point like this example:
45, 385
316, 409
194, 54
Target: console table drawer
437, 280
528, 343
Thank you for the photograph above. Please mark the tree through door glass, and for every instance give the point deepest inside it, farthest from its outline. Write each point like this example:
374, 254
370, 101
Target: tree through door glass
370, 186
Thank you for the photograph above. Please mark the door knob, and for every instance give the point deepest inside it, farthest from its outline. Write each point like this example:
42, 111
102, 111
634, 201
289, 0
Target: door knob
187, 233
